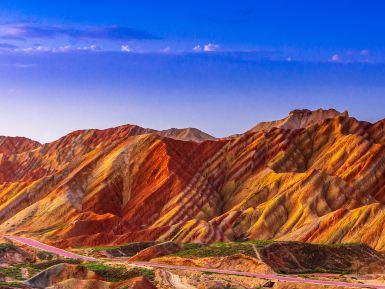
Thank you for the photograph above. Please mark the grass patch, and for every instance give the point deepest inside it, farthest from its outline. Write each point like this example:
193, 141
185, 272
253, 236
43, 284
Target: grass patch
221, 249
43, 255
11, 284
148, 273
343, 244
260, 243
13, 272
6, 246
118, 273
126, 250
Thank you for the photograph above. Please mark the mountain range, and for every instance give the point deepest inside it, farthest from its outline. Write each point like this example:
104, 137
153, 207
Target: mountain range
314, 176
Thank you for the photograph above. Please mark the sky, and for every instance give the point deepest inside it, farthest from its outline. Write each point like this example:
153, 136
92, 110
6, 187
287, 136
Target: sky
220, 66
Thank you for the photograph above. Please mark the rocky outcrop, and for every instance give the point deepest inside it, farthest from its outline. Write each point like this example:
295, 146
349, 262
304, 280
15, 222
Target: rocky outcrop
299, 118
135, 283
80, 284
73, 283
60, 273
11, 255
156, 251
186, 134
295, 257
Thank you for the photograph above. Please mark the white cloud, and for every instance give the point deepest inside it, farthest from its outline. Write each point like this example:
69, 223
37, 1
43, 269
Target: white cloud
39, 48
91, 47
125, 48
209, 47
197, 48
336, 58
24, 65
64, 48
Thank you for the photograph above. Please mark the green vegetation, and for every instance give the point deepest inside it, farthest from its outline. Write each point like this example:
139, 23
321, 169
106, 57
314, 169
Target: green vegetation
220, 249
43, 255
148, 273
126, 250
344, 244
6, 246
119, 247
111, 273
14, 271
190, 246
260, 243
11, 284
46, 264
118, 273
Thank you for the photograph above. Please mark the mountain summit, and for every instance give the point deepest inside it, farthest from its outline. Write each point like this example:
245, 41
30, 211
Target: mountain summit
300, 118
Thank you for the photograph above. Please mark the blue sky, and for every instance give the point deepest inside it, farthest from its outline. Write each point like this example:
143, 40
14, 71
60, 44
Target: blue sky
220, 66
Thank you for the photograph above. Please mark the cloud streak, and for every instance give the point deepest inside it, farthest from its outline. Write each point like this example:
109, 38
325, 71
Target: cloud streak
39, 31
8, 46
65, 48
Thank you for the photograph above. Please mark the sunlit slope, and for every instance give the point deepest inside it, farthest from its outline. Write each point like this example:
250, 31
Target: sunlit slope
319, 181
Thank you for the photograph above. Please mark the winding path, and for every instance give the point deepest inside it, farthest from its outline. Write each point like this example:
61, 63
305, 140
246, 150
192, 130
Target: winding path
292, 279
51, 249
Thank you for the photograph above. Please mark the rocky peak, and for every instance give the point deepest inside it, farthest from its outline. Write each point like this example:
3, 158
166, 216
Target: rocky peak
300, 118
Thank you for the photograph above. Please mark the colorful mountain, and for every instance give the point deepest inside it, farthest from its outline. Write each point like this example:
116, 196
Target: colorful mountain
315, 176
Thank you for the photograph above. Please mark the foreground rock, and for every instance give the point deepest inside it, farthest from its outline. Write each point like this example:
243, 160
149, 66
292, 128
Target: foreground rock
73, 283
80, 284
294, 257
158, 250
11, 254
134, 283
60, 273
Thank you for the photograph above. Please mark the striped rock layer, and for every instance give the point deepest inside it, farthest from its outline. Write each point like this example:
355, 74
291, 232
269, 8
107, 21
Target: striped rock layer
315, 176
